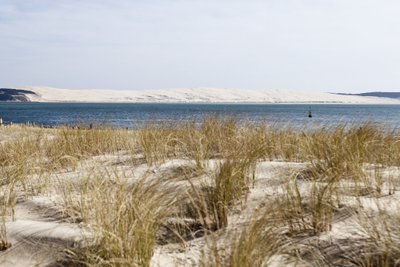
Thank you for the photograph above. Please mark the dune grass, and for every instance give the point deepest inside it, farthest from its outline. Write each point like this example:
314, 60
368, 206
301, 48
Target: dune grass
125, 218
254, 244
345, 165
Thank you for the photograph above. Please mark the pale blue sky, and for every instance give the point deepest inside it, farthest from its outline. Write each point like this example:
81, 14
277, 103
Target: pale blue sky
318, 45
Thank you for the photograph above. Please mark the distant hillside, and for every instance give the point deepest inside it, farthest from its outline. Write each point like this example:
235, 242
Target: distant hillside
379, 94
382, 94
185, 95
15, 95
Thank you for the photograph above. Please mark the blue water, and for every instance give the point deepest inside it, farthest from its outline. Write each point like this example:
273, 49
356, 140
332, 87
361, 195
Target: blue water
134, 115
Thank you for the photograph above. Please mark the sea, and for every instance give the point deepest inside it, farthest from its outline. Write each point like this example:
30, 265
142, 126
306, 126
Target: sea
133, 115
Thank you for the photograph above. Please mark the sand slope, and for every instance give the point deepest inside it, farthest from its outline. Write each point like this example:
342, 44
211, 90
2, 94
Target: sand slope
198, 95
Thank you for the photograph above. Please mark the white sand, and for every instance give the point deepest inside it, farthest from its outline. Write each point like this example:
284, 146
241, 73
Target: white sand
39, 235
198, 95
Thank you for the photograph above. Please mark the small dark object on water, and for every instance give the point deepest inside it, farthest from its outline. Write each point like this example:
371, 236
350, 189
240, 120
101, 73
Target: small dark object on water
309, 114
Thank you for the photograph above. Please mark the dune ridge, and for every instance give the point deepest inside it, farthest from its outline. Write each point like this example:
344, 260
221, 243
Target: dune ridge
198, 95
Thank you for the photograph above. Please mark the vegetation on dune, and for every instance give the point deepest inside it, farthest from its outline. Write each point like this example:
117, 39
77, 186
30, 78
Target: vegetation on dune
129, 218
125, 219
255, 244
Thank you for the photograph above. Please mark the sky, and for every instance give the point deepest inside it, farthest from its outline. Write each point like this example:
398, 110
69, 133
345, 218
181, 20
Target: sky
309, 45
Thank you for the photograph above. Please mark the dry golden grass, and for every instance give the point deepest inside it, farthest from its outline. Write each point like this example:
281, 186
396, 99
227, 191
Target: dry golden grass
254, 244
157, 143
126, 217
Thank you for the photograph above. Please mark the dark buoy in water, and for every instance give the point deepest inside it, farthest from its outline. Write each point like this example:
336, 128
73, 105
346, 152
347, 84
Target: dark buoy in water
309, 113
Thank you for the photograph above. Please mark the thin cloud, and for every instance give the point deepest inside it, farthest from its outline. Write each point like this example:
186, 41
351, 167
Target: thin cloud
315, 45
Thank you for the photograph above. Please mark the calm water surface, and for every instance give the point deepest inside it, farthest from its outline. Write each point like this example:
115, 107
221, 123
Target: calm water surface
134, 115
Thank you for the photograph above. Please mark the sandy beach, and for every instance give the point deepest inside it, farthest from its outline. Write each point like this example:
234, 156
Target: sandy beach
199, 133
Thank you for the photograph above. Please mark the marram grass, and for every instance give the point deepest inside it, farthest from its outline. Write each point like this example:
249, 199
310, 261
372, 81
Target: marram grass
127, 217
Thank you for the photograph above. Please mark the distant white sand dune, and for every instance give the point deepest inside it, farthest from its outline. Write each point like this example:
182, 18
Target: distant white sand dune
198, 95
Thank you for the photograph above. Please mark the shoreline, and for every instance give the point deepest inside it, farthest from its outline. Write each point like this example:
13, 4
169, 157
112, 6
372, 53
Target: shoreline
202, 103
